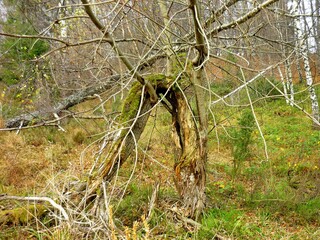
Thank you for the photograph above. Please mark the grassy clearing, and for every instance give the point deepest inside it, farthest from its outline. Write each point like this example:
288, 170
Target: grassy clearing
278, 199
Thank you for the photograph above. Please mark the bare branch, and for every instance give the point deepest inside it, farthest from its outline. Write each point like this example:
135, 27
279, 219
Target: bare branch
216, 14
243, 18
112, 42
34, 36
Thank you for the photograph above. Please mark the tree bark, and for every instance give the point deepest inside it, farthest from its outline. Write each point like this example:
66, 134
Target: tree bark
190, 132
190, 175
303, 50
189, 138
135, 117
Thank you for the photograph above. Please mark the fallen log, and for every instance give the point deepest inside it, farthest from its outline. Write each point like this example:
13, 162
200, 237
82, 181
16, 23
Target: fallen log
39, 116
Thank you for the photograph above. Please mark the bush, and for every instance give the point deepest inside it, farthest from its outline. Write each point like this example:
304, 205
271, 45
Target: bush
79, 137
242, 138
263, 88
17, 52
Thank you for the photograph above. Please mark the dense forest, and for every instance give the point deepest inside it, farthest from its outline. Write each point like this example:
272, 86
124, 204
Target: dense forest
177, 119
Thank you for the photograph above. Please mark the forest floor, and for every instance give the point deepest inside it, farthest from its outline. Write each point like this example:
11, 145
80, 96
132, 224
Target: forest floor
267, 197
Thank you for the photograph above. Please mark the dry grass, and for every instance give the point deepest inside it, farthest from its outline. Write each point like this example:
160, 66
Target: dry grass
29, 158
43, 161
1, 123
20, 164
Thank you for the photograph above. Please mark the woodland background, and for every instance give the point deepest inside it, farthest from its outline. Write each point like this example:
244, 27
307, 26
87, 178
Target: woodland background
159, 119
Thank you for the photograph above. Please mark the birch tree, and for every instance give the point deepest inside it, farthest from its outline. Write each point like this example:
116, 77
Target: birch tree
301, 45
317, 11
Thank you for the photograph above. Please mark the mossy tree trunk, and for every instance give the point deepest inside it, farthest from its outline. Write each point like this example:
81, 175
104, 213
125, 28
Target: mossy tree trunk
190, 132
135, 114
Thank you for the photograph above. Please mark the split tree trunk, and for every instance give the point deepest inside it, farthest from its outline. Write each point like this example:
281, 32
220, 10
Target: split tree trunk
190, 176
191, 130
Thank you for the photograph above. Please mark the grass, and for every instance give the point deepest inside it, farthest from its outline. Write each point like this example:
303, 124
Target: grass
278, 199
231, 222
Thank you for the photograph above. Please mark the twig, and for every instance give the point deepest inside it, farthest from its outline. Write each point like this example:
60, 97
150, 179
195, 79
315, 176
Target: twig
56, 116
185, 219
19, 128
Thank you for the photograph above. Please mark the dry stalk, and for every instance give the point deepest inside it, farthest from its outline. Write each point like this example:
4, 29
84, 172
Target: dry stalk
111, 223
153, 200
134, 230
146, 227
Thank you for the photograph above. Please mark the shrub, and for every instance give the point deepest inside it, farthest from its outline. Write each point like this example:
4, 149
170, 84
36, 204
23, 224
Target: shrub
79, 137
263, 88
242, 138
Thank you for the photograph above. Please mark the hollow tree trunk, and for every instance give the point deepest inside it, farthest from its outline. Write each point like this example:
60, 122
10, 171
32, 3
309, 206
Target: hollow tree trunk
190, 159
191, 131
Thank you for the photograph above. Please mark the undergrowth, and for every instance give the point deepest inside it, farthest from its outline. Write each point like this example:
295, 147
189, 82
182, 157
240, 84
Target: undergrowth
274, 199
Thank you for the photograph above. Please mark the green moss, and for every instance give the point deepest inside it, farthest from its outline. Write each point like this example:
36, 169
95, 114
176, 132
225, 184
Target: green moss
159, 80
131, 104
155, 78
21, 215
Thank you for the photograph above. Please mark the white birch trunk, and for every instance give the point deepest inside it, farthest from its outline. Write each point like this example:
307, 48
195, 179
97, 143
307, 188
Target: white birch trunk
314, 22
284, 85
318, 26
286, 78
289, 82
303, 50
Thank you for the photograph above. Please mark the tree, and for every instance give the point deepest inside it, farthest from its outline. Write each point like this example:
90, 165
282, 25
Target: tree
302, 48
190, 142
162, 51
